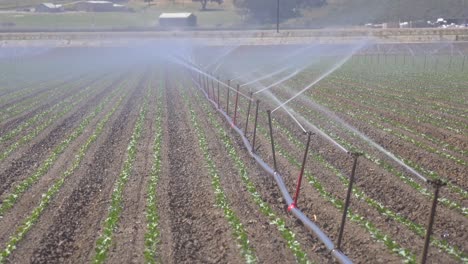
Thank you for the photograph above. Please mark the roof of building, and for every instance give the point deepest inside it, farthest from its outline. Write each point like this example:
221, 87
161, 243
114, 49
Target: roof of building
51, 5
99, 2
175, 15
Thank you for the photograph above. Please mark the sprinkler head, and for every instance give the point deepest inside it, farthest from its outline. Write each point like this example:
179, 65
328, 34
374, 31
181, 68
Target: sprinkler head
437, 182
356, 154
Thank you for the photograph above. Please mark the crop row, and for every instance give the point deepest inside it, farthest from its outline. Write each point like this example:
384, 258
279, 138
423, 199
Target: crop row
40, 88
46, 197
104, 241
377, 234
43, 125
22, 187
411, 109
382, 163
264, 207
416, 89
29, 103
381, 209
77, 97
152, 217
358, 112
369, 118
221, 200
416, 228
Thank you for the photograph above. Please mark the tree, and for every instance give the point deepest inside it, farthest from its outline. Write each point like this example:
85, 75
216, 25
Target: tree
205, 2
265, 10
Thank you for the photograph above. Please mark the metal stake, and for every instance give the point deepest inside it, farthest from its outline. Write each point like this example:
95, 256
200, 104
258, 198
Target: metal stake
227, 104
218, 93
272, 141
299, 181
436, 184
207, 87
212, 88
235, 105
255, 125
248, 114
348, 198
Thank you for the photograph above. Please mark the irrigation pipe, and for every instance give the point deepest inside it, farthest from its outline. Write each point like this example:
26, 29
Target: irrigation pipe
180, 62
311, 226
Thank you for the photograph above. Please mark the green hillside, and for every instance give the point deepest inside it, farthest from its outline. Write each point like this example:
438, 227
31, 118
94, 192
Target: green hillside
334, 13
364, 11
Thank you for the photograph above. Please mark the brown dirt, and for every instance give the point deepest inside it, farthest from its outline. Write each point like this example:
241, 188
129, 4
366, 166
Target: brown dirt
29, 157
72, 89
129, 237
257, 225
192, 229
396, 195
70, 232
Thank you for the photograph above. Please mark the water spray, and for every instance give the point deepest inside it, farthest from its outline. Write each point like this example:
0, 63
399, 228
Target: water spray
311, 226
338, 65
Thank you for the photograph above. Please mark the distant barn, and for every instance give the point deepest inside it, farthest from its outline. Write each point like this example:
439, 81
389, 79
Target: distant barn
49, 8
95, 6
177, 20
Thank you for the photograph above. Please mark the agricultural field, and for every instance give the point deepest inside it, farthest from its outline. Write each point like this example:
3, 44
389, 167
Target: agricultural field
125, 155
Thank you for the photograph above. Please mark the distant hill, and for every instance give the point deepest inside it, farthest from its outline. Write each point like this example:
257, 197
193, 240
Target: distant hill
378, 11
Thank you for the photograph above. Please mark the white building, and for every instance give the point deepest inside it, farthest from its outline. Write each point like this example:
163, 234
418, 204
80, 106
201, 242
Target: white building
95, 6
49, 8
177, 20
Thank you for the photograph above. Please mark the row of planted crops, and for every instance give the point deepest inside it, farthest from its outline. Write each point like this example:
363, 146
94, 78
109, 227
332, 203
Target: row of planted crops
54, 129
417, 117
56, 123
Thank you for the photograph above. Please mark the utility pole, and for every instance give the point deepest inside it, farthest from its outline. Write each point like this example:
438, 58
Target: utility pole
277, 16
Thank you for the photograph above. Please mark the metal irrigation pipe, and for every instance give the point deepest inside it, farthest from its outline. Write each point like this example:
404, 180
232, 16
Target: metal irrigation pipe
248, 115
227, 104
299, 180
436, 184
271, 140
255, 125
235, 105
218, 94
213, 88
348, 198
311, 226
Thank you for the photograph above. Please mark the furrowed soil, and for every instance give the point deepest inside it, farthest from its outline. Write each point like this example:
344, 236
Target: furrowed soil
192, 228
